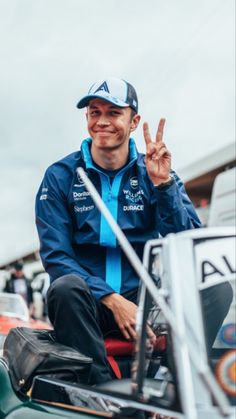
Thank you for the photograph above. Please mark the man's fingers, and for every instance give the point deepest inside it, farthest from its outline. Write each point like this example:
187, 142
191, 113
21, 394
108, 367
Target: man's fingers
151, 334
156, 151
160, 130
125, 333
163, 152
159, 134
146, 133
128, 330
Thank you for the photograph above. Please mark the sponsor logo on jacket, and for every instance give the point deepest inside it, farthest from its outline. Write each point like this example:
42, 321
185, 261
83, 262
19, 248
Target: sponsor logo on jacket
133, 207
78, 196
84, 208
134, 196
44, 195
80, 181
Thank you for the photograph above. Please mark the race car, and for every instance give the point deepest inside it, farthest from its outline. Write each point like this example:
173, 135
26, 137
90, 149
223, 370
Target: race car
188, 383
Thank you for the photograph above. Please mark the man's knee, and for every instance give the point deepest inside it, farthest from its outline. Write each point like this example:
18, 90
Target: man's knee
68, 292
64, 286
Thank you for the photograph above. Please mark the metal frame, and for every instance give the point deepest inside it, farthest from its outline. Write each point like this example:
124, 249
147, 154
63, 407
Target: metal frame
196, 381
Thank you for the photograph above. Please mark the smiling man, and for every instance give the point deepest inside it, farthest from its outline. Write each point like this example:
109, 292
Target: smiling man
93, 287
110, 129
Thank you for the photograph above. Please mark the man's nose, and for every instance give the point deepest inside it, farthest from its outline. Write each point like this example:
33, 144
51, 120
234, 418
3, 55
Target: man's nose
103, 120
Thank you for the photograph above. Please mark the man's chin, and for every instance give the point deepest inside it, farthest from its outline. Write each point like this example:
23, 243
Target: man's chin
108, 147
105, 143
104, 138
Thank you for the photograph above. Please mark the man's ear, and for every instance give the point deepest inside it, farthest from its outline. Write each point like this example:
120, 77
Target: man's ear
134, 123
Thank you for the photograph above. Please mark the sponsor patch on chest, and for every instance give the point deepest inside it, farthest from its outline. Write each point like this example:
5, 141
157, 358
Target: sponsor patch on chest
79, 196
134, 197
84, 208
133, 207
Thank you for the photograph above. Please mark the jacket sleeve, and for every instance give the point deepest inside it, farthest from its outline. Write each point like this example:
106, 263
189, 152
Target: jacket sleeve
54, 225
175, 211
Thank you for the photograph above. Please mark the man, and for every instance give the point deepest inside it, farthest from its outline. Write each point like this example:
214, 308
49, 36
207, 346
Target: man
93, 287
19, 284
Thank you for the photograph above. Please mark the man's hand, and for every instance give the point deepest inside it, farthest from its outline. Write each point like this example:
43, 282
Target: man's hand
158, 158
124, 312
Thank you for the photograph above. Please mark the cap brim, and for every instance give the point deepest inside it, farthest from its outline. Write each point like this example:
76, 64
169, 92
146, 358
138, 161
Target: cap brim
104, 96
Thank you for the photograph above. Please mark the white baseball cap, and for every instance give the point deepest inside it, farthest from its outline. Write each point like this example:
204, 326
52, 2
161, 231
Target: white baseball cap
113, 90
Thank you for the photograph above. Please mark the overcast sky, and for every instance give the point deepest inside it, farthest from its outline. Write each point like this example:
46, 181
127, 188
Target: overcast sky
179, 54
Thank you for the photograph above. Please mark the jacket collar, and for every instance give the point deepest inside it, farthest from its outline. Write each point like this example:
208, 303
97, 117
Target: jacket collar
86, 154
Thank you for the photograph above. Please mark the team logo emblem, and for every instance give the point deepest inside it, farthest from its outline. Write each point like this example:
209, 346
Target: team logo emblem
134, 182
79, 180
226, 372
228, 334
103, 87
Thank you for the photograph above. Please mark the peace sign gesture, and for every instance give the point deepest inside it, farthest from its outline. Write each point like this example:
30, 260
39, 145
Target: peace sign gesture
158, 158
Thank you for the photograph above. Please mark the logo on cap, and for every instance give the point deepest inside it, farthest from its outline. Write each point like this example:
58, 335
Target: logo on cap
103, 87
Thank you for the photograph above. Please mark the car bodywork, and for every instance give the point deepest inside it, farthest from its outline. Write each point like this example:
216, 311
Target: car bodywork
14, 313
196, 391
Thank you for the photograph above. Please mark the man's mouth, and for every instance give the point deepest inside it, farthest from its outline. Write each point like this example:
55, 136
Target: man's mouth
104, 132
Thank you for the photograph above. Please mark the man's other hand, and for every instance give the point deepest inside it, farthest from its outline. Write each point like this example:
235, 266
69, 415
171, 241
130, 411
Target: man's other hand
124, 312
158, 157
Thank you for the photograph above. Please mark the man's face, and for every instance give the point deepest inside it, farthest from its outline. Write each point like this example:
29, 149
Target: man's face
18, 274
108, 125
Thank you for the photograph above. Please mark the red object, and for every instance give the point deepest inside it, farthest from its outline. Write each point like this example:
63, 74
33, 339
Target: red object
118, 347
7, 323
204, 203
115, 367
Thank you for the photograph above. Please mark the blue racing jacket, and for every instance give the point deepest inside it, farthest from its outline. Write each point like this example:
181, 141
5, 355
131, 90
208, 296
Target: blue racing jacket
76, 239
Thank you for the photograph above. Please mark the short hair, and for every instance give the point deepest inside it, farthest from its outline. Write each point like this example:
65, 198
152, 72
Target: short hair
133, 113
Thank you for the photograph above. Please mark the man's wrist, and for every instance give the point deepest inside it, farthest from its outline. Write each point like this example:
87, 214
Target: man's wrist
109, 299
166, 184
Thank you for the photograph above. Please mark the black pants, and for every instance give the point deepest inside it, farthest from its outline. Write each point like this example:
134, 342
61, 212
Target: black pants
82, 322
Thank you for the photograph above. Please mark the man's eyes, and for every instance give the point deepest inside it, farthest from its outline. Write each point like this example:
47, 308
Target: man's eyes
112, 113
93, 113
115, 112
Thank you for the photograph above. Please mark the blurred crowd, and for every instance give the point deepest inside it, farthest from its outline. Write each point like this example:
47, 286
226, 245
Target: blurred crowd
32, 289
